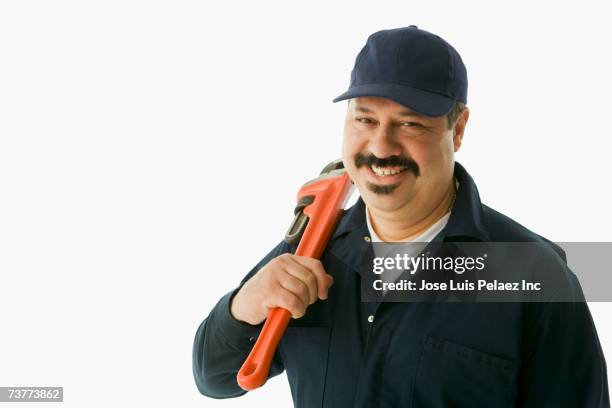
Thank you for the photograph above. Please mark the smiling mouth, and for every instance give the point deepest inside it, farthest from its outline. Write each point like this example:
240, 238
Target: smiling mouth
387, 171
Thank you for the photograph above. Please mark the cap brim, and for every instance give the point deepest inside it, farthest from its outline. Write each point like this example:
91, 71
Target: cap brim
427, 103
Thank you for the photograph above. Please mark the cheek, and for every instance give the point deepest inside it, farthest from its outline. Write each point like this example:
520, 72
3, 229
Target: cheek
351, 144
348, 155
434, 156
447, 148
419, 152
427, 155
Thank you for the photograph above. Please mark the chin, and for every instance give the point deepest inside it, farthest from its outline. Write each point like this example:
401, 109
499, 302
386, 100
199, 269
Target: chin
386, 202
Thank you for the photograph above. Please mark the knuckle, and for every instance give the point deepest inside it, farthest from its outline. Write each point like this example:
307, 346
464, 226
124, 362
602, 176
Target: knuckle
311, 279
301, 287
280, 260
269, 287
288, 298
284, 299
272, 265
296, 304
316, 263
276, 272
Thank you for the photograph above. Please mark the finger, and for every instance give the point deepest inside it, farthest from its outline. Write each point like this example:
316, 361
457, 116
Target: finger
305, 275
296, 286
324, 280
288, 300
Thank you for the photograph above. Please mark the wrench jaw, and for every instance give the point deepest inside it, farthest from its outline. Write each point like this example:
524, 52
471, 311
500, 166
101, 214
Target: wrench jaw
300, 221
335, 165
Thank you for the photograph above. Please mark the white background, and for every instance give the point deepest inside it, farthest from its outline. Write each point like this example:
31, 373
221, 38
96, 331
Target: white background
150, 153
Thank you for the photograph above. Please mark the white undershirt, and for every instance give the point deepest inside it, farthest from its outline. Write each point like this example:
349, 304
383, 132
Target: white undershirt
426, 236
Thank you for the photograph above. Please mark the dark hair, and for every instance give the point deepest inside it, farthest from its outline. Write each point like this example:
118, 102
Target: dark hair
454, 113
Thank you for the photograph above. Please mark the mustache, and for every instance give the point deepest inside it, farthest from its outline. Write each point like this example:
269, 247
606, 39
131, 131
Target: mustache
391, 161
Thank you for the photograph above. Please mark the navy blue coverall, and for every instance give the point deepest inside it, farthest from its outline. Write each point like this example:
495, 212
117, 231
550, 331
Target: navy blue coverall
349, 353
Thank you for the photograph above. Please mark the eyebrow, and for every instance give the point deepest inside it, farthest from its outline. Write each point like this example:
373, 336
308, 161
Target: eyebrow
401, 113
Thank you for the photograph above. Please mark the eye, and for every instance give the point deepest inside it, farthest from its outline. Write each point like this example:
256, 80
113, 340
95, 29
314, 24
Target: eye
411, 124
364, 120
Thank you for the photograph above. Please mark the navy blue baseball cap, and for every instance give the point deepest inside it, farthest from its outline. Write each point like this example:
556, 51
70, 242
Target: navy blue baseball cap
412, 67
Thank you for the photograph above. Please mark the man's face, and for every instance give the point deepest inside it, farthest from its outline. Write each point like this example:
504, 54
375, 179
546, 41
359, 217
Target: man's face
396, 157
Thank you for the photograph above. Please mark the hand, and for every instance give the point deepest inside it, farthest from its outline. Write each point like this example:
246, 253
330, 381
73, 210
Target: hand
288, 281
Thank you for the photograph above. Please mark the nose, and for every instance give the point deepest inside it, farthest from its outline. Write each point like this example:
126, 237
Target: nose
383, 143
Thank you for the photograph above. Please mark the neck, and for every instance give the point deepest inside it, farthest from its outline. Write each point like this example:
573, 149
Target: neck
396, 227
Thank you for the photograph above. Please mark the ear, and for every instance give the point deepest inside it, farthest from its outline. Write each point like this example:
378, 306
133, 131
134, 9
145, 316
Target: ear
459, 128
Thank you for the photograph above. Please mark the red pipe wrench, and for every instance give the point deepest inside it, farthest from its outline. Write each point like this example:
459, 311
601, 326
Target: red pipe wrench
319, 208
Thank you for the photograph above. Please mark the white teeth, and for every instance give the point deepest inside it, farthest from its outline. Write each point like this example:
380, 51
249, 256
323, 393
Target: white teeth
381, 171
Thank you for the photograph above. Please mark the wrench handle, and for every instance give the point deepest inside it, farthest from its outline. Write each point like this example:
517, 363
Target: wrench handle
254, 371
330, 196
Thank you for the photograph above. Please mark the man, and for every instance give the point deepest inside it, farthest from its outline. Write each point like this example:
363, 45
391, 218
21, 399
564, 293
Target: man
406, 118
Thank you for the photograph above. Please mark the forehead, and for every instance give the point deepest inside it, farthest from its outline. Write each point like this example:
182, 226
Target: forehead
376, 104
